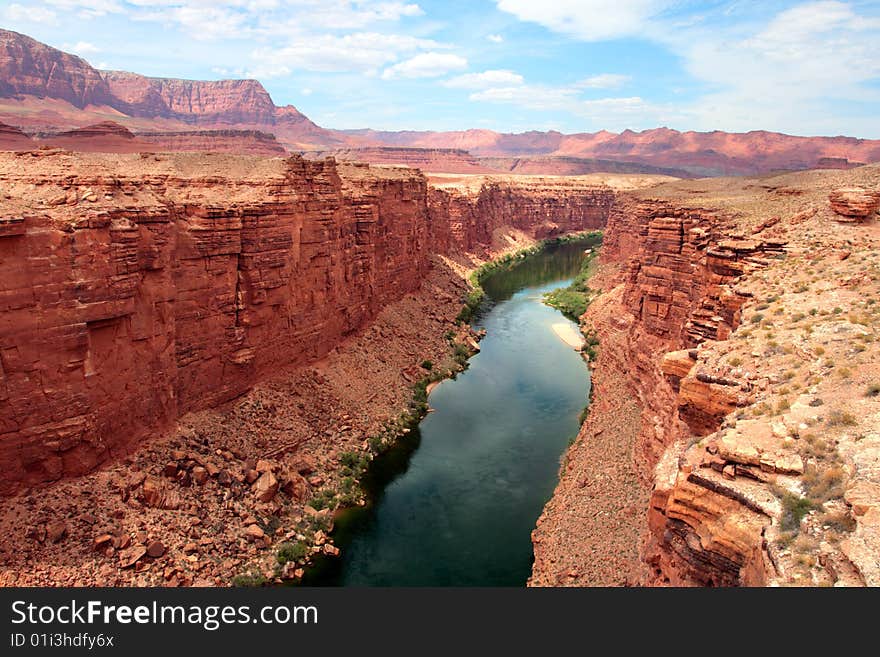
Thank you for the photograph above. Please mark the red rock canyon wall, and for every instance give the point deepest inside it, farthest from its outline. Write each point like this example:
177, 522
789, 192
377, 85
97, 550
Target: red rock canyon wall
136, 288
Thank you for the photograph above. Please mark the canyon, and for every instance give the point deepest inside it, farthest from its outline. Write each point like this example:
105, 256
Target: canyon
212, 307
113, 277
149, 298
166, 349
736, 371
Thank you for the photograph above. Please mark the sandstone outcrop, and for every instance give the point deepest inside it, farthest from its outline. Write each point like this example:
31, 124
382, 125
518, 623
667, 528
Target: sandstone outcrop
137, 288
728, 307
104, 137
435, 160
153, 296
246, 142
854, 203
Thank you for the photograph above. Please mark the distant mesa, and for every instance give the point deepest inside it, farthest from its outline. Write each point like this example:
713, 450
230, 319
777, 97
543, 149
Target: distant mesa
837, 163
575, 166
34, 77
45, 90
103, 137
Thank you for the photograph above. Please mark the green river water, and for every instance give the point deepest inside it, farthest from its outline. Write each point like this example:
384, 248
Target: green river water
455, 501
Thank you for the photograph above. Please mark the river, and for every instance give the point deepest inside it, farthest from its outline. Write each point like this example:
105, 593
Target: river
455, 501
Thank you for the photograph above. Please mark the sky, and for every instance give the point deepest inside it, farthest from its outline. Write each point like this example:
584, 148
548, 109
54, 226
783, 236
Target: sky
808, 68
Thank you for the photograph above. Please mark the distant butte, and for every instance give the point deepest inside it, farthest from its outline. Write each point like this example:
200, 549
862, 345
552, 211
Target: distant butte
44, 90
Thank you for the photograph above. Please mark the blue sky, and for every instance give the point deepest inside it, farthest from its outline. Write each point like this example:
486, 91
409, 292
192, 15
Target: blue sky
808, 68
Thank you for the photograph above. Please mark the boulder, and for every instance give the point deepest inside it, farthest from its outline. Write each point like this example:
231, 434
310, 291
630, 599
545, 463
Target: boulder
155, 494
266, 487
56, 531
130, 556
854, 202
155, 549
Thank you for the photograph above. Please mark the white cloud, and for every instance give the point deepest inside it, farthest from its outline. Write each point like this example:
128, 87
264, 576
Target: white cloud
536, 97
17, 12
610, 113
206, 19
425, 65
804, 70
88, 8
81, 48
306, 91
362, 52
495, 38
590, 20
602, 81
492, 78
788, 75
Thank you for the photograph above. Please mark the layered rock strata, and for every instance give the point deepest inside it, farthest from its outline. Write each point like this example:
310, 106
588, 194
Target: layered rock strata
758, 449
138, 288
854, 203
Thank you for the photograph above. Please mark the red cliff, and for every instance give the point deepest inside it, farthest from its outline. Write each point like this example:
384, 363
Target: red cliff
723, 320
28, 67
136, 288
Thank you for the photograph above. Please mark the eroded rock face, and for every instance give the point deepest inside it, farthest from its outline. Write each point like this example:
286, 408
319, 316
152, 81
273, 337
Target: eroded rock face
136, 288
680, 269
30, 67
854, 203
251, 142
436, 160
464, 221
147, 295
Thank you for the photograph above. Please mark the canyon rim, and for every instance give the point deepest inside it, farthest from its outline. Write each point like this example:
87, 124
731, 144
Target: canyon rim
215, 314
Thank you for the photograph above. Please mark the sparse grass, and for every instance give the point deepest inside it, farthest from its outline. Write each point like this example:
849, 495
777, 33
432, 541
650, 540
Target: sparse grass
823, 484
839, 418
735, 361
839, 521
782, 405
323, 499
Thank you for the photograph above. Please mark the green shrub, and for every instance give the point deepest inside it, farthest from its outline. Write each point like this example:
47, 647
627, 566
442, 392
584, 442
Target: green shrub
323, 500
249, 580
427, 365
291, 552
794, 508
